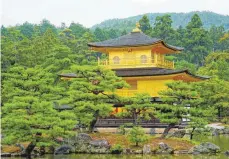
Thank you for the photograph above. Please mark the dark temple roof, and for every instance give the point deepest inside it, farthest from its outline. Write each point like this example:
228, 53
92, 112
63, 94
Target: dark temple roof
133, 39
155, 71
135, 72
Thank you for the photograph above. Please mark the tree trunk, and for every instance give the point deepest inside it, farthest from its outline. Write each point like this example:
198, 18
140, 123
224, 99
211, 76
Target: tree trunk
191, 134
136, 143
31, 146
166, 131
93, 122
135, 117
29, 150
219, 113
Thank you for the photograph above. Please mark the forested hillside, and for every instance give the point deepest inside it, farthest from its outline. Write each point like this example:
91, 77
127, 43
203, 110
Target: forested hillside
179, 19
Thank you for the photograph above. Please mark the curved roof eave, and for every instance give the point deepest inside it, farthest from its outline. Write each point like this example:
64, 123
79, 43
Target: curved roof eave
140, 72
132, 40
197, 76
175, 48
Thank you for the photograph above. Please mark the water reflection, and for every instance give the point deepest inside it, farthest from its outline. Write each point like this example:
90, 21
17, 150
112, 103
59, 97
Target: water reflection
94, 156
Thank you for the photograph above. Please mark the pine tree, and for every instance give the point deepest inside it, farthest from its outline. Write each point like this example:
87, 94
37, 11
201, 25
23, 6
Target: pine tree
27, 109
92, 93
139, 107
145, 25
215, 34
163, 28
137, 135
100, 34
197, 41
182, 101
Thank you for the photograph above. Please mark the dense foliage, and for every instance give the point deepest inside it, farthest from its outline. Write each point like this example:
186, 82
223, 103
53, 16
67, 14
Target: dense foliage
34, 54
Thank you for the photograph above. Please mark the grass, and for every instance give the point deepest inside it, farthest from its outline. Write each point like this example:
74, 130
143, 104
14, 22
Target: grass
12, 148
176, 143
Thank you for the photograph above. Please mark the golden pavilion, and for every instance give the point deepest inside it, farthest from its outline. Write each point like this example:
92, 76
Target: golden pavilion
140, 61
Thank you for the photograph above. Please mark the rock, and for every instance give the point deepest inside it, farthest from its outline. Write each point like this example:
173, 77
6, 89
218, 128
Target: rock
82, 148
146, 149
98, 150
83, 138
64, 149
5, 154
181, 152
85, 144
100, 143
16, 154
152, 131
215, 132
164, 149
227, 153
99, 146
205, 148
42, 151
178, 133
127, 151
22, 148
225, 130
136, 151
35, 152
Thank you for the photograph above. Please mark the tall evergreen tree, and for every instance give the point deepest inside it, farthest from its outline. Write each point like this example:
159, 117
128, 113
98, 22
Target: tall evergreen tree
124, 32
27, 29
197, 41
77, 29
100, 34
145, 26
215, 34
163, 28
45, 25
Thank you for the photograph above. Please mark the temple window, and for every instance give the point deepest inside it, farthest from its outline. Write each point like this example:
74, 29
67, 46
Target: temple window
152, 57
143, 59
116, 60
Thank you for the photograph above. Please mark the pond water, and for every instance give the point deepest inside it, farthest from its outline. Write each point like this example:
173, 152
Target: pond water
222, 141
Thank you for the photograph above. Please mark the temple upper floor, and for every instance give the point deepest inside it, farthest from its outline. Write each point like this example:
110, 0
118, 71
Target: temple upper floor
135, 58
135, 50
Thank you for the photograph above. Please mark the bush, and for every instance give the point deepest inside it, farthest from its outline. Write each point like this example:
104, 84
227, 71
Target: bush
122, 128
137, 135
225, 120
116, 149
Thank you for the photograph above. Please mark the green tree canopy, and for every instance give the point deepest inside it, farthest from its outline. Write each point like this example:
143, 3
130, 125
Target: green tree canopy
27, 108
181, 101
197, 41
92, 93
163, 28
145, 26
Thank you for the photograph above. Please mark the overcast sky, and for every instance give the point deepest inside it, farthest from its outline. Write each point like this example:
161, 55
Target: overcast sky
90, 12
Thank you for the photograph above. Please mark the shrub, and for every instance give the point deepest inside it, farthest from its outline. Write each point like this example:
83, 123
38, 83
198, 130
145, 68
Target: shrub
137, 135
116, 149
122, 128
225, 120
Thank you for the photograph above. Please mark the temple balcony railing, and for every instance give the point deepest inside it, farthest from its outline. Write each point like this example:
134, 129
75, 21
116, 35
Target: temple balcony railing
136, 63
131, 93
